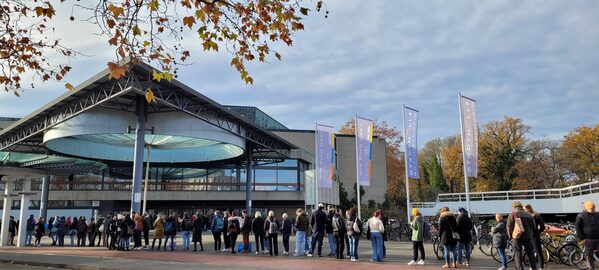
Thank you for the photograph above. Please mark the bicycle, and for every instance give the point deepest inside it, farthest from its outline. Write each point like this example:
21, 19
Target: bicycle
559, 252
578, 258
509, 252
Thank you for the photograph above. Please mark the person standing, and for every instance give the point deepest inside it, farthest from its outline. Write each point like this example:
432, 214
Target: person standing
354, 232
170, 230
81, 232
198, 227
99, 231
417, 226
139, 227
61, 231
271, 227
106, 232
301, 226
233, 226
465, 228
159, 232
539, 228
520, 228
147, 227
40, 230
447, 227
376, 228
217, 229
186, 227
499, 233
127, 226
318, 223
329, 231
12, 231
258, 230
287, 227
340, 233
587, 229
246, 229
113, 231
30, 228
226, 238
52, 231
91, 232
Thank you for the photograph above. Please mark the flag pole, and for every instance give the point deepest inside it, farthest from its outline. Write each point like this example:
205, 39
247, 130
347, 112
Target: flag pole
406, 165
357, 168
466, 181
316, 172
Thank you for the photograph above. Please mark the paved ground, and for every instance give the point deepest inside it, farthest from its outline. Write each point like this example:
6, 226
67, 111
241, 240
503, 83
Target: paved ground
399, 253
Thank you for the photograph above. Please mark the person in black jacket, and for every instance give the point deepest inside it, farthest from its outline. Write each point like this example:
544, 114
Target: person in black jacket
61, 231
81, 232
587, 229
539, 228
127, 226
329, 231
198, 227
524, 240
246, 229
30, 228
271, 227
465, 227
499, 233
318, 223
258, 230
286, 230
226, 238
447, 226
340, 233
233, 227
40, 230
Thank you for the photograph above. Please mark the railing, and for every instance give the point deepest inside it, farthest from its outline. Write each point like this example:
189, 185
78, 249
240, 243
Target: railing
556, 193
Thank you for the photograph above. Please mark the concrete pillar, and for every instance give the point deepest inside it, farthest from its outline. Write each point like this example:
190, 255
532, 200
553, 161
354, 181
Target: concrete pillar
8, 186
138, 156
44, 197
248, 179
23, 213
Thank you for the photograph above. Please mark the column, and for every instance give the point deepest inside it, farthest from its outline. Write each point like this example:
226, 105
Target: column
138, 156
44, 197
23, 213
8, 186
248, 178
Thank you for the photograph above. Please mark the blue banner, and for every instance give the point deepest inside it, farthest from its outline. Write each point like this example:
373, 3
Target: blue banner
364, 134
325, 156
411, 134
469, 135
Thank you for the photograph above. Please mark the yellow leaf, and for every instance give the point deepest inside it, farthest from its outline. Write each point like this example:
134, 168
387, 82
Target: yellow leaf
189, 21
136, 31
153, 5
39, 11
201, 15
168, 76
146, 43
69, 86
150, 96
157, 76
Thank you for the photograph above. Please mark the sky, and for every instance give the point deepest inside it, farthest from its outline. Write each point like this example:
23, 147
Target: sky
534, 60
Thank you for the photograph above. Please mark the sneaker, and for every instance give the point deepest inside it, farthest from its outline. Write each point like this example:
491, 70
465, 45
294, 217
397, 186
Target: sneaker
372, 260
257, 252
353, 259
285, 253
412, 262
309, 255
294, 254
421, 262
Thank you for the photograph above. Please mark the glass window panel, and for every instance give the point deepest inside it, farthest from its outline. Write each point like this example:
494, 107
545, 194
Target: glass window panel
287, 180
265, 177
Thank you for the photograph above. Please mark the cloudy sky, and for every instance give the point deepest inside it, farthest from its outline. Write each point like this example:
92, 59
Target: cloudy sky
535, 60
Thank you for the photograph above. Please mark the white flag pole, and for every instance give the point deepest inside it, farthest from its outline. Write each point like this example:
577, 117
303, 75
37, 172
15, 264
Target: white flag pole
406, 165
357, 168
146, 181
316, 172
466, 181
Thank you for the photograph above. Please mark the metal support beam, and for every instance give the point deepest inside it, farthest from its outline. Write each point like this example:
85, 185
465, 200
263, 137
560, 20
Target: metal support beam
248, 178
138, 156
44, 197
8, 186
24, 211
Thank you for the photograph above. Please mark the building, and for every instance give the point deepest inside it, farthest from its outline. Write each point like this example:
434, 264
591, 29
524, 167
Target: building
86, 144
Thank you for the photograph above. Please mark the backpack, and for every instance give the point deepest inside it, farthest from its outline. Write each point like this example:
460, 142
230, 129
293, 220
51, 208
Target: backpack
273, 228
359, 225
129, 229
349, 227
232, 227
170, 227
336, 225
187, 225
218, 224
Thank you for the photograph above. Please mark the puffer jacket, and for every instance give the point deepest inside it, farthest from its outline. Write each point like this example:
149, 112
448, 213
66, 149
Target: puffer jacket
499, 233
447, 225
464, 227
159, 228
302, 223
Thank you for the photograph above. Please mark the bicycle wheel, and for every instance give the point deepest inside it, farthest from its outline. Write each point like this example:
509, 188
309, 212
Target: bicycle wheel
484, 245
438, 249
563, 252
509, 253
578, 260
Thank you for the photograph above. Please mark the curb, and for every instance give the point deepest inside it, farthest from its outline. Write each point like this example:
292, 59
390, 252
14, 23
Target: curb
54, 265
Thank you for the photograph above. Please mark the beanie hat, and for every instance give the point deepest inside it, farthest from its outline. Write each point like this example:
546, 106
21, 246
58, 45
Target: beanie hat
415, 211
589, 205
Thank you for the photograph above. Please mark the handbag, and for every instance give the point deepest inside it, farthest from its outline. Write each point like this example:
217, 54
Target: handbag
368, 230
518, 227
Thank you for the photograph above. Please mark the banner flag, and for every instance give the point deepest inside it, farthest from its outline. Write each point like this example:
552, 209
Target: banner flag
411, 135
325, 155
364, 133
469, 135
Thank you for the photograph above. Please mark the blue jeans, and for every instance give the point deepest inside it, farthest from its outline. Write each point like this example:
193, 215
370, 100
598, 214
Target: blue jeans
446, 250
185, 235
331, 238
464, 247
125, 242
502, 257
300, 239
353, 246
307, 247
28, 237
377, 246
172, 246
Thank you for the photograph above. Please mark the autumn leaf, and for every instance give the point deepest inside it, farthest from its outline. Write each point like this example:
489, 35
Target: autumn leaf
277, 55
146, 43
153, 6
304, 11
157, 76
136, 30
69, 86
168, 76
116, 11
189, 21
116, 71
110, 23
150, 96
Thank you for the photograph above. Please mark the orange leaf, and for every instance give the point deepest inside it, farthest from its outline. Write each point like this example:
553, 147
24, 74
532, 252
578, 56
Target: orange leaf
69, 86
116, 11
150, 96
116, 71
110, 23
189, 21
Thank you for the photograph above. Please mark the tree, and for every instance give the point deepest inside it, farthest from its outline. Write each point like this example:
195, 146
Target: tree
540, 167
344, 202
452, 162
430, 156
580, 151
146, 30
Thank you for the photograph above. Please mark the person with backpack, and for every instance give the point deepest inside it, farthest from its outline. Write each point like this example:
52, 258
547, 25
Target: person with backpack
127, 227
286, 229
186, 227
301, 226
159, 224
81, 232
170, 230
258, 230
233, 226
271, 226
339, 232
520, 228
539, 228
417, 226
227, 240
198, 227
318, 223
354, 228
499, 233
464, 228
587, 230
246, 229
329, 231
217, 229
447, 235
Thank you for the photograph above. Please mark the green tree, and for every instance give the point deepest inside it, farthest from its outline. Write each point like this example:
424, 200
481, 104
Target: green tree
344, 201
